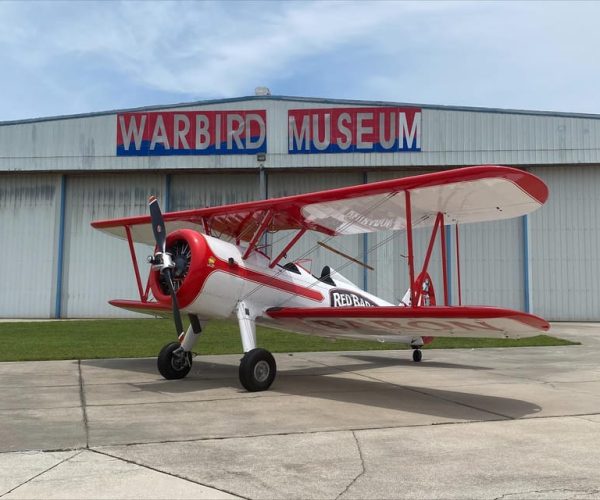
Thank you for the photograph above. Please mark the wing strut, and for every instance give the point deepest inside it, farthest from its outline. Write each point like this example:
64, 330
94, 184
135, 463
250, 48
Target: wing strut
287, 247
437, 226
458, 267
136, 269
444, 260
259, 232
415, 295
409, 238
206, 226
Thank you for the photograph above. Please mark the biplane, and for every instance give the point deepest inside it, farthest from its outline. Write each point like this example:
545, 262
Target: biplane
210, 263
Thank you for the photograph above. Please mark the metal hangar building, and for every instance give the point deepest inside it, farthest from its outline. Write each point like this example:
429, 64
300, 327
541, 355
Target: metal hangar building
58, 174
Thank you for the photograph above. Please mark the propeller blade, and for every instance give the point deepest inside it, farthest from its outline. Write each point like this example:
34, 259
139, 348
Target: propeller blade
176, 313
160, 235
158, 224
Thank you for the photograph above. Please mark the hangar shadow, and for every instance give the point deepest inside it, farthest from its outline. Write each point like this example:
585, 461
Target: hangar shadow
342, 383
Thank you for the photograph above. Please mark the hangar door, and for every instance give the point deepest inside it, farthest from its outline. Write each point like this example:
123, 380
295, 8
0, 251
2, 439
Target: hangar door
565, 245
491, 260
29, 215
97, 267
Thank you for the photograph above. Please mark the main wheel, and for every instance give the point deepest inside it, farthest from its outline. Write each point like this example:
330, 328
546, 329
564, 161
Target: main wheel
173, 362
257, 370
417, 355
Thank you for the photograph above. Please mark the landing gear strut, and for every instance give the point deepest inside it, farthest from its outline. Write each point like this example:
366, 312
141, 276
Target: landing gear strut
257, 367
175, 359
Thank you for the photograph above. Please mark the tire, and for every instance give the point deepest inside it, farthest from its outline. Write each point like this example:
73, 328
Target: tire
169, 366
417, 355
257, 370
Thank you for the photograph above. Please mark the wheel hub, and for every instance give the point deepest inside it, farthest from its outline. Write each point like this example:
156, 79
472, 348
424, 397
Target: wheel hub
179, 360
261, 371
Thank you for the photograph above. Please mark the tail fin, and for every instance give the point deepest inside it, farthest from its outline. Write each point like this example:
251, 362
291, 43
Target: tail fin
425, 295
405, 302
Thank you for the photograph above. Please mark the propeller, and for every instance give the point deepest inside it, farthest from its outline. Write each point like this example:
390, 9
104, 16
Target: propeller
162, 260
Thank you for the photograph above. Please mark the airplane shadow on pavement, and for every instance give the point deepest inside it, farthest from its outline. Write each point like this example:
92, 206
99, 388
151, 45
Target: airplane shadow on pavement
339, 382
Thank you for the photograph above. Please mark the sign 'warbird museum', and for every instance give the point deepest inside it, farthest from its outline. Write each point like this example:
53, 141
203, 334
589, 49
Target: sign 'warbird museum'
354, 130
171, 133
310, 131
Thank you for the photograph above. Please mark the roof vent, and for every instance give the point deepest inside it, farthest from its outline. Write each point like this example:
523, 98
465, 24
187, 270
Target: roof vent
262, 91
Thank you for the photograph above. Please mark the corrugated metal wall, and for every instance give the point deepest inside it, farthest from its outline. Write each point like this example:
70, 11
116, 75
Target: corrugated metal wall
202, 189
491, 260
29, 210
474, 137
97, 266
565, 245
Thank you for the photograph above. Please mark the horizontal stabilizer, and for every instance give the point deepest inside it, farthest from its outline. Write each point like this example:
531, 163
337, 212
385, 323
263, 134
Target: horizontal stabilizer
152, 308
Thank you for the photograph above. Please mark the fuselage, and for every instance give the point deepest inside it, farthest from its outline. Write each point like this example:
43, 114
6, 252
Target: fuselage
219, 278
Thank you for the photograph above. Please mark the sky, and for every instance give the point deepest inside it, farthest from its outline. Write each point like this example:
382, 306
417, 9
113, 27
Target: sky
61, 58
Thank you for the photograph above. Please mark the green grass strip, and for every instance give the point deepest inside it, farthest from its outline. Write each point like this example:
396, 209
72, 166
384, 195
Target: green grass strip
124, 338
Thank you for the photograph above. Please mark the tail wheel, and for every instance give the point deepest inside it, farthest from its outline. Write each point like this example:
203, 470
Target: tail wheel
257, 370
417, 355
173, 362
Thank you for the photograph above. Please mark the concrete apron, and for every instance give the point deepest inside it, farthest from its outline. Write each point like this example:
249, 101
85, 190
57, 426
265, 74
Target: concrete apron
486, 423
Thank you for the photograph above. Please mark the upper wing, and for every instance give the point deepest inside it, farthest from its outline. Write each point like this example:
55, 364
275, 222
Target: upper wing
471, 194
389, 322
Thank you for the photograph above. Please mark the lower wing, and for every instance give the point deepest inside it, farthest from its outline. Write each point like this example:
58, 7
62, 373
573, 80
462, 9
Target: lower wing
152, 308
388, 323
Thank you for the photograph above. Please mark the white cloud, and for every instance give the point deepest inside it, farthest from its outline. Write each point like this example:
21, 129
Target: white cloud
525, 55
506, 54
196, 47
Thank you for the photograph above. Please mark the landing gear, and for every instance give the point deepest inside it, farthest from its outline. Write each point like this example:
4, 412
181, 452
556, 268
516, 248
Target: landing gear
173, 362
257, 370
417, 355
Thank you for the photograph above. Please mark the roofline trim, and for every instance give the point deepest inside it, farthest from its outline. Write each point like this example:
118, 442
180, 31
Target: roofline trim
316, 100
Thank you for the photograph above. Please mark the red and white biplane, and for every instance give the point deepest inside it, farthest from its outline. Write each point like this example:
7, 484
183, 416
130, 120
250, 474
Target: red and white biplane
195, 272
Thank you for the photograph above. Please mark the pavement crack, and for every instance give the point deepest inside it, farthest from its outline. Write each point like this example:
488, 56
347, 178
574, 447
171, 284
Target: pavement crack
299, 433
41, 473
172, 474
185, 401
83, 406
582, 417
575, 491
362, 465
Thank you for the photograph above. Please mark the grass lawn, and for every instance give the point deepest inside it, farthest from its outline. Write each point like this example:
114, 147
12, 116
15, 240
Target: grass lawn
126, 338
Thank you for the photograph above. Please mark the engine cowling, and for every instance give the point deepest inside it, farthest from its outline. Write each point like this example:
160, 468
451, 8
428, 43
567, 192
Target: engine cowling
190, 253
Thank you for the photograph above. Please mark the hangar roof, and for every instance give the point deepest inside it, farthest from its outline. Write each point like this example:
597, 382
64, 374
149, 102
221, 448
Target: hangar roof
315, 100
